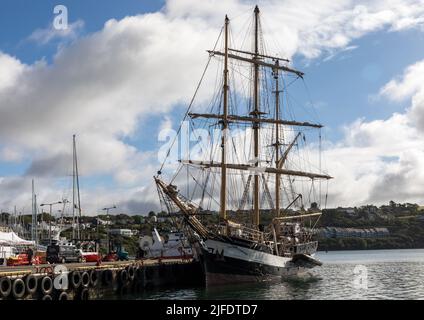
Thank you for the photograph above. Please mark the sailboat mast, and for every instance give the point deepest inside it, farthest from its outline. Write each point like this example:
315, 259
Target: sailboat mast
223, 209
36, 220
73, 187
16, 221
277, 140
32, 210
34, 216
256, 114
77, 189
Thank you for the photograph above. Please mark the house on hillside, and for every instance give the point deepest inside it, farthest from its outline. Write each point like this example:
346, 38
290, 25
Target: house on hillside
122, 232
347, 211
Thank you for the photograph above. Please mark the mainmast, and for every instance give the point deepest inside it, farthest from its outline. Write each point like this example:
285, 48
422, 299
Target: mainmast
277, 141
256, 114
223, 209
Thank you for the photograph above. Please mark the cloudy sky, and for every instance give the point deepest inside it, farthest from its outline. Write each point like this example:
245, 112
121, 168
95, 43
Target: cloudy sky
122, 71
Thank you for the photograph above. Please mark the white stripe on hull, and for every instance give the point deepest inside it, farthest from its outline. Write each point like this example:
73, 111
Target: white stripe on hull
241, 253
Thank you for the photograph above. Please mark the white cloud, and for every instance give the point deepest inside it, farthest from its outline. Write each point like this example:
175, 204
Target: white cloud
383, 160
11, 70
407, 85
44, 36
106, 84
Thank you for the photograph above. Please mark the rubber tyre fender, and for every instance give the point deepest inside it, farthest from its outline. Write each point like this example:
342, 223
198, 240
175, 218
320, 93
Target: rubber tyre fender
107, 277
5, 287
85, 279
131, 273
75, 279
123, 276
94, 278
63, 296
31, 283
84, 294
18, 288
46, 285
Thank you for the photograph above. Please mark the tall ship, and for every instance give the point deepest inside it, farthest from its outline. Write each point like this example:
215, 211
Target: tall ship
251, 162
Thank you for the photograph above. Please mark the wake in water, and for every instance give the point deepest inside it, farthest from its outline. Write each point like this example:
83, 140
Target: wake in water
303, 279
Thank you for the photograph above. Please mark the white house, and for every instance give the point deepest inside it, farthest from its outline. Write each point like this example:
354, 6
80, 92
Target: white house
122, 232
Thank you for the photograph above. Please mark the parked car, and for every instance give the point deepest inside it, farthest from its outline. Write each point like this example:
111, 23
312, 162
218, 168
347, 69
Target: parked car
120, 255
21, 260
92, 256
57, 253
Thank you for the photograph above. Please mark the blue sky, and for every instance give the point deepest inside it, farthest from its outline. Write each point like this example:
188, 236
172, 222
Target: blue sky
21, 17
348, 82
343, 80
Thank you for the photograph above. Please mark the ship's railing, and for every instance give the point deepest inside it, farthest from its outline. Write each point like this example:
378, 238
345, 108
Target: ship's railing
241, 231
306, 248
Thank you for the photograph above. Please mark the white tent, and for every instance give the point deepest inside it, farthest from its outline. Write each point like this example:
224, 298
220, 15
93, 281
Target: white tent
12, 239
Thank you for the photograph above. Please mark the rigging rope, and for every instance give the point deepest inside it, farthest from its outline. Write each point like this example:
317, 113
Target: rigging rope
191, 103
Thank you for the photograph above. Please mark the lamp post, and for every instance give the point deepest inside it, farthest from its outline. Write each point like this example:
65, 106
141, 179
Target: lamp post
107, 231
50, 220
64, 201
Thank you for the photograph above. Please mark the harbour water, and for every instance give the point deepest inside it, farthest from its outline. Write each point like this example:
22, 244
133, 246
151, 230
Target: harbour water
370, 274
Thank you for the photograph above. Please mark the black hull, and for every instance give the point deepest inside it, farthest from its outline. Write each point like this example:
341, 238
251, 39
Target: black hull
222, 270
